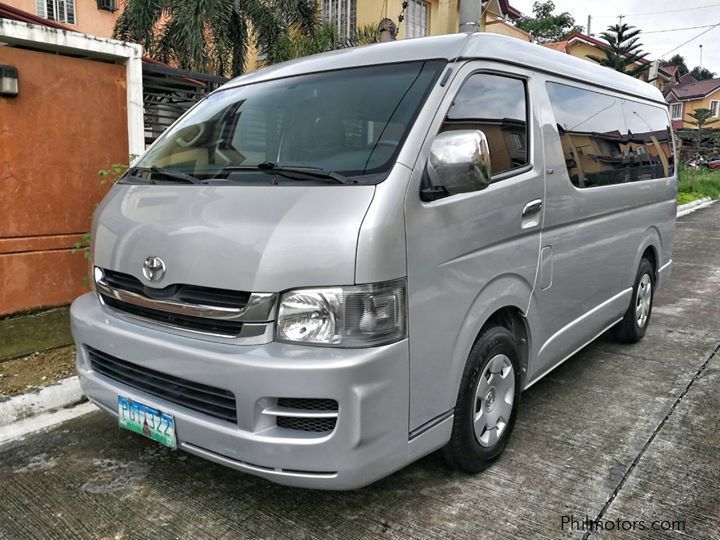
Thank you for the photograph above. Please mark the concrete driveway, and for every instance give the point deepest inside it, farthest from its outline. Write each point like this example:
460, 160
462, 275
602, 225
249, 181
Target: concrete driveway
618, 433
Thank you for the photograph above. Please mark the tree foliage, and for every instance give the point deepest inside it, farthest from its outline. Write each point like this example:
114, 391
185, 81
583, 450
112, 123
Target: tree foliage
702, 74
624, 50
678, 61
295, 44
546, 26
701, 118
213, 36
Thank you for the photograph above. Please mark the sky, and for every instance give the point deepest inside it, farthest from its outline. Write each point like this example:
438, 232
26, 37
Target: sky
650, 16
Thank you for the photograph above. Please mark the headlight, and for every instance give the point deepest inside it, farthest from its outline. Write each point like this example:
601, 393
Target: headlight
353, 316
97, 275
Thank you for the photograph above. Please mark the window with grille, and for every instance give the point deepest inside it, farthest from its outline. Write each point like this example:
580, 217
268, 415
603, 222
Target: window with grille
676, 111
715, 107
56, 10
107, 5
342, 14
417, 17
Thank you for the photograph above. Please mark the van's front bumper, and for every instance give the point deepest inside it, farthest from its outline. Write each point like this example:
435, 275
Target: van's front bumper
369, 441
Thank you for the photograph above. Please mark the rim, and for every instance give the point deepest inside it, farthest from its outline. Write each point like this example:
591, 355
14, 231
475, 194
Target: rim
643, 300
493, 401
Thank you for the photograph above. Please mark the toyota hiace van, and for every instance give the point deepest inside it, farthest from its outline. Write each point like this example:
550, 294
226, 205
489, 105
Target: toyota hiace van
331, 267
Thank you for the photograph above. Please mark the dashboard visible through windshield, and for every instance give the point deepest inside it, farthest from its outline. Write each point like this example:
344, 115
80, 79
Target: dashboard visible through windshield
346, 123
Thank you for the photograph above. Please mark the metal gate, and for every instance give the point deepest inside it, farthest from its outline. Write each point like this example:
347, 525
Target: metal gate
169, 92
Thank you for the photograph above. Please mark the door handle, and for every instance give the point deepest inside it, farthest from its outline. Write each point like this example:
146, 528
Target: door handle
533, 207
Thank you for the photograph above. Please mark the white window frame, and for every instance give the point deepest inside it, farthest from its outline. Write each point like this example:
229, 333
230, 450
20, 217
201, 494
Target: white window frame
518, 141
342, 14
417, 19
672, 110
716, 112
62, 11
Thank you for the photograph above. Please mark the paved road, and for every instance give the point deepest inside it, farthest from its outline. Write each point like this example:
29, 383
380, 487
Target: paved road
617, 432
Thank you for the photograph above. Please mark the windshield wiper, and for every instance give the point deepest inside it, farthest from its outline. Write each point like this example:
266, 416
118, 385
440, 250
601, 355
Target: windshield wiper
288, 172
160, 174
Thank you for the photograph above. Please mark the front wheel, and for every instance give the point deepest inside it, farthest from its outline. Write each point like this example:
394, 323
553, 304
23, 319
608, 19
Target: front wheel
487, 402
633, 326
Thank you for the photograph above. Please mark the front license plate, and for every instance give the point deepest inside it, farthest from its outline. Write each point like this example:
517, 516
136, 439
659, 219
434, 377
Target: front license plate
154, 424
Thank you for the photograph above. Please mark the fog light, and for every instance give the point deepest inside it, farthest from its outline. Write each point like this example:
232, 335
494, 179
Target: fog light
8, 81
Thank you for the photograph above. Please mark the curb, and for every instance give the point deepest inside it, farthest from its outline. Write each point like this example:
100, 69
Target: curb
687, 208
21, 428
63, 394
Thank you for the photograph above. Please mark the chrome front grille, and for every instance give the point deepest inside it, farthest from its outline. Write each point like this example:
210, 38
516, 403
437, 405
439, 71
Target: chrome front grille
178, 320
189, 294
218, 312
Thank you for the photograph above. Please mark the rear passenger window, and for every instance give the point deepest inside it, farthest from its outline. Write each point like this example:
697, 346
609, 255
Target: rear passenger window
495, 105
609, 140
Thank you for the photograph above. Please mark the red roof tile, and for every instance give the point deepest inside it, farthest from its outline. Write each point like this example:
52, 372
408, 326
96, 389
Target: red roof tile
695, 89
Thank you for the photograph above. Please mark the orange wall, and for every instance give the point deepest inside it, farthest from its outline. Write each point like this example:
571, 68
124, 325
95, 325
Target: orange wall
68, 121
88, 18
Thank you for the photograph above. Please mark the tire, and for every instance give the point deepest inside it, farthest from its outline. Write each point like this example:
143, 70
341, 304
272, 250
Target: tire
634, 324
494, 353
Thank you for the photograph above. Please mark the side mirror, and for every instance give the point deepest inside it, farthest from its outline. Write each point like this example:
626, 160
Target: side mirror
459, 162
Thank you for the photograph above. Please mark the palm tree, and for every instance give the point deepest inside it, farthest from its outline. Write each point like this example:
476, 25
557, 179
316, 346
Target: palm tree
623, 51
213, 36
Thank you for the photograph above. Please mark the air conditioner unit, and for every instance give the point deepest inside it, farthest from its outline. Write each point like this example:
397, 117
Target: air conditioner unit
107, 5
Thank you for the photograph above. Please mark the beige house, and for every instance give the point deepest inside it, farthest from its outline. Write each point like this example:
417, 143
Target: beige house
689, 95
420, 18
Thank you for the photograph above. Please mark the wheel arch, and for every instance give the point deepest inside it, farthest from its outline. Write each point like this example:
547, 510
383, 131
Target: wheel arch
649, 248
503, 301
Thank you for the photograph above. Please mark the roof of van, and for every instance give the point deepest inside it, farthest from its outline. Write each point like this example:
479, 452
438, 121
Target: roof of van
478, 45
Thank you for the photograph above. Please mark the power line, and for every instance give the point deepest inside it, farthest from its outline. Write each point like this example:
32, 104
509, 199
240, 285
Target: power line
691, 39
676, 29
655, 12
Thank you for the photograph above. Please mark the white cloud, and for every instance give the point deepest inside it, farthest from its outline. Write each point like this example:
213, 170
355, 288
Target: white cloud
650, 16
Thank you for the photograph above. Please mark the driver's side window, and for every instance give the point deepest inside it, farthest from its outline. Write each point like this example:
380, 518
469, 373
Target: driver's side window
497, 106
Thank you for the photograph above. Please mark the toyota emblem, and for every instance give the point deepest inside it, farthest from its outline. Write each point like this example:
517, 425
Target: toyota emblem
153, 269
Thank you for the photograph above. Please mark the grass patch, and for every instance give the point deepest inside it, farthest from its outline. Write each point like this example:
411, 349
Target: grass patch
696, 184
684, 198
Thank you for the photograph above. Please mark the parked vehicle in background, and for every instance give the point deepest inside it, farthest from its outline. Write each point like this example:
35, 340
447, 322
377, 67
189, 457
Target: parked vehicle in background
332, 267
699, 161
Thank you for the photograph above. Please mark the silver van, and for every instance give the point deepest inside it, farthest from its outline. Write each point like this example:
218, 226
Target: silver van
334, 266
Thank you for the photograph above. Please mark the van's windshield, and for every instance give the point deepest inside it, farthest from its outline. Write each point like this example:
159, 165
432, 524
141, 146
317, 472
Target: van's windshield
349, 123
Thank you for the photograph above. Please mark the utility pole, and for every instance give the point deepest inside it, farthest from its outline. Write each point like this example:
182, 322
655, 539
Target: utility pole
471, 14
587, 30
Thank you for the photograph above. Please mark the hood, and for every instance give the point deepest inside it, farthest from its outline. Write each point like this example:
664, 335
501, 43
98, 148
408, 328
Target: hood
247, 238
